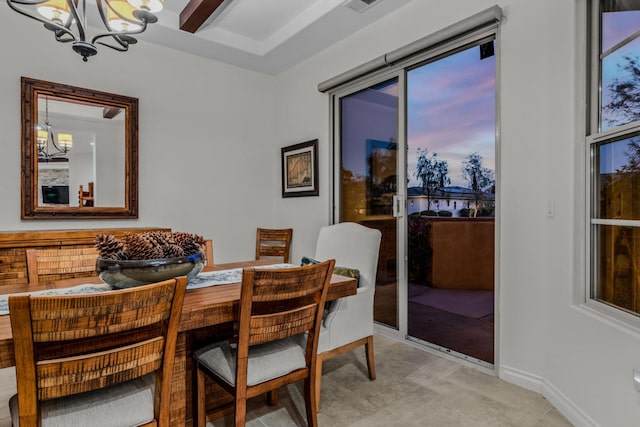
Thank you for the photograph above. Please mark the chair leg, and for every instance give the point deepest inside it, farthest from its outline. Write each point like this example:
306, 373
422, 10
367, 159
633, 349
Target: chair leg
310, 401
318, 381
201, 411
370, 361
241, 412
272, 397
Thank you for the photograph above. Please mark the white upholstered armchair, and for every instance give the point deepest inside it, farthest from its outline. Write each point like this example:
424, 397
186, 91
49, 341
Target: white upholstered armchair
349, 321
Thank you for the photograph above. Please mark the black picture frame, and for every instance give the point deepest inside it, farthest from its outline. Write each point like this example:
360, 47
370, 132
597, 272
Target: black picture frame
300, 169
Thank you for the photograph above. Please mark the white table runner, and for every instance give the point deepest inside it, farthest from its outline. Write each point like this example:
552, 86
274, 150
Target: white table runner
202, 280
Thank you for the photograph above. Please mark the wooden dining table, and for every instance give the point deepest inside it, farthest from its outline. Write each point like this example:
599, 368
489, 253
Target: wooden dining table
207, 314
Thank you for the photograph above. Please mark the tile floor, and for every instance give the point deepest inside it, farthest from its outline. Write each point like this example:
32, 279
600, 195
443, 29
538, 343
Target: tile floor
413, 388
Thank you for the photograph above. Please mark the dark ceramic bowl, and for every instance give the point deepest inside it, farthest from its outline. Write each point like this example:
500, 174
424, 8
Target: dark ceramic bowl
130, 273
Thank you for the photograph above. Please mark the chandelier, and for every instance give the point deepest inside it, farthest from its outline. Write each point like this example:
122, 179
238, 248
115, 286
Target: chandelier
48, 148
121, 18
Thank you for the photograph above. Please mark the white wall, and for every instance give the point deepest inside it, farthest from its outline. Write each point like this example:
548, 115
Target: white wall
207, 134
581, 363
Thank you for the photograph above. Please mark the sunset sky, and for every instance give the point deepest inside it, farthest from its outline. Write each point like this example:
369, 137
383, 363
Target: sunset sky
616, 26
451, 111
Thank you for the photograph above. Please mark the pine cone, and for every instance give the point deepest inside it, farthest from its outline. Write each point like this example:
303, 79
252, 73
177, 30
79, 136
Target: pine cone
156, 253
172, 251
123, 256
160, 238
180, 237
158, 244
190, 246
140, 247
108, 246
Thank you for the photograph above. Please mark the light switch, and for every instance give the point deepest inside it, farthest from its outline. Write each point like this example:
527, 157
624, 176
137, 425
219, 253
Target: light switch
636, 379
551, 208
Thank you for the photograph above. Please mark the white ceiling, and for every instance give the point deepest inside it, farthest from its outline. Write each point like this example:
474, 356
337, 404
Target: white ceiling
268, 36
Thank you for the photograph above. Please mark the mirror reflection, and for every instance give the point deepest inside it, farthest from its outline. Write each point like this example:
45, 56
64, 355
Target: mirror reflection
81, 154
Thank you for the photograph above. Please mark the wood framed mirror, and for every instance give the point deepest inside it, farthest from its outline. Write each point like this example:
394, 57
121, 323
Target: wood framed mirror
79, 152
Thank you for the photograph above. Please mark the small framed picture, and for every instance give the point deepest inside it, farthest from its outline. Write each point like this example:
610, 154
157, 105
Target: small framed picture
300, 169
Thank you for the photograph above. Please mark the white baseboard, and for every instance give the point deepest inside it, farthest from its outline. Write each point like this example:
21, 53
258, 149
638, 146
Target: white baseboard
521, 378
539, 385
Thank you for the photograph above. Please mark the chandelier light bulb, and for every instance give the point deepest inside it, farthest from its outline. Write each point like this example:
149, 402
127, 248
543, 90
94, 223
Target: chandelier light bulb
120, 16
65, 141
55, 10
43, 136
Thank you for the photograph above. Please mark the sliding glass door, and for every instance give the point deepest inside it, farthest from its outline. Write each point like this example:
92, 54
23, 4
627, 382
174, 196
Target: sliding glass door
415, 157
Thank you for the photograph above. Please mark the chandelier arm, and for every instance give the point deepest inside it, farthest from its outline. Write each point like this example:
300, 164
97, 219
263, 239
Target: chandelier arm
103, 16
124, 48
53, 141
115, 34
74, 14
58, 29
59, 37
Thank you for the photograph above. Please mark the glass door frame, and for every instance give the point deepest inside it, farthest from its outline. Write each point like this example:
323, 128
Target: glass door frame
401, 194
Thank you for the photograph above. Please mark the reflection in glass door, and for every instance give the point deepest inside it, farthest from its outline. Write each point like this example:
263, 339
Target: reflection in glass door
368, 180
451, 202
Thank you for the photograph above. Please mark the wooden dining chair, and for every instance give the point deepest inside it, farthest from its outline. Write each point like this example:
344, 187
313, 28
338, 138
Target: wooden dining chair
85, 198
271, 349
58, 264
208, 252
99, 359
273, 243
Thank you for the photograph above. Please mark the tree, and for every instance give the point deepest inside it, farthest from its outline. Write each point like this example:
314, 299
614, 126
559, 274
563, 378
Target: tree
432, 173
624, 106
480, 179
354, 200
633, 157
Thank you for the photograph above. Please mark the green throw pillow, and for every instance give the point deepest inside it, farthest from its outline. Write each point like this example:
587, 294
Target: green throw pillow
308, 260
341, 271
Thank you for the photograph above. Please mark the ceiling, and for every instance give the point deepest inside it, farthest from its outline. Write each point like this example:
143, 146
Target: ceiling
269, 36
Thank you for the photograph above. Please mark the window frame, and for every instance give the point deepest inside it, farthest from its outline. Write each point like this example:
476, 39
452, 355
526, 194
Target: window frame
593, 136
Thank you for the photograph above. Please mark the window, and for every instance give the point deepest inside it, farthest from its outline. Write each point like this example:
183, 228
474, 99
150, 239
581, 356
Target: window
613, 140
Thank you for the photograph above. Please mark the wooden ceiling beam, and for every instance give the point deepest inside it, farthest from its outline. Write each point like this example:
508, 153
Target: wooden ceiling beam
196, 12
110, 112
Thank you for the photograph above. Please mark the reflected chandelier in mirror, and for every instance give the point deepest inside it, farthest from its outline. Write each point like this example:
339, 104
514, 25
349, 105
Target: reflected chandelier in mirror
48, 149
79, 152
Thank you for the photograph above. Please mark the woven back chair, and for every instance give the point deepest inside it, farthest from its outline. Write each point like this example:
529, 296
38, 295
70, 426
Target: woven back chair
208, 251
58, 264
277, 307
273, 243
85, 198
98, 359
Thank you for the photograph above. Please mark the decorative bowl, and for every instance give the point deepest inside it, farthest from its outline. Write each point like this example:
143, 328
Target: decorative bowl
130, 273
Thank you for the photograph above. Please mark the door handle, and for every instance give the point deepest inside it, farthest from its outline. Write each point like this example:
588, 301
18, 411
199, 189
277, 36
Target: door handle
398, 206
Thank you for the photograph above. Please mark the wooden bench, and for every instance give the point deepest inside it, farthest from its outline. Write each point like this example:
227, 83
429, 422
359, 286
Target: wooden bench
14, 244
